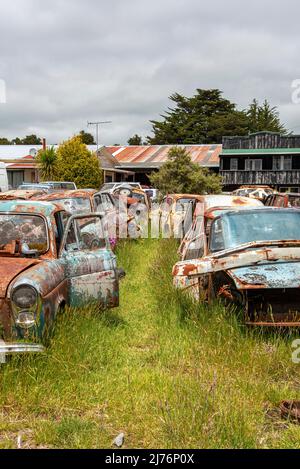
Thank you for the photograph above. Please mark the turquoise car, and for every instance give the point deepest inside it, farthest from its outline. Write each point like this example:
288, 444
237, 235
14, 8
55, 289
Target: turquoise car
49, 259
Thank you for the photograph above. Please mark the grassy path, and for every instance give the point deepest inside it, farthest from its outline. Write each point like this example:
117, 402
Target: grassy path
166, 372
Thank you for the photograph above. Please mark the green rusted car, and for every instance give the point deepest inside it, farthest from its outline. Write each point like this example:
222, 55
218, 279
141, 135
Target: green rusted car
49, 259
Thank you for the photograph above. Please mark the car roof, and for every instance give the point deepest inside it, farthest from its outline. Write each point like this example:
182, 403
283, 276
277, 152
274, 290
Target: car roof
24, 194
258, 209
186, 196
69, 194
29, 206
220, 200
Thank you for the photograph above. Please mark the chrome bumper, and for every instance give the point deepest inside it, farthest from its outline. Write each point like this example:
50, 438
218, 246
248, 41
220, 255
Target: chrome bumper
8, 349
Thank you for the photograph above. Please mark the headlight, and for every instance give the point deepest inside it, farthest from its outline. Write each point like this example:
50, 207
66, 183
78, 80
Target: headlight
24, 297
25, 320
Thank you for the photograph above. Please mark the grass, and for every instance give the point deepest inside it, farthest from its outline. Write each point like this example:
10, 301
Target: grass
167, 372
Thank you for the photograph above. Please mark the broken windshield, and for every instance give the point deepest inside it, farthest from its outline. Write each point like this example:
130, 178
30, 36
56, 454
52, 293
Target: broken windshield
19, 229
234, 229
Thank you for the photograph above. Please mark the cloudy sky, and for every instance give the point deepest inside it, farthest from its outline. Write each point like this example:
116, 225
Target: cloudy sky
65, 62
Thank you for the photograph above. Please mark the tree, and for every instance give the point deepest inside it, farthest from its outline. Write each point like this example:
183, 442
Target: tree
135, 140
264, 117
31, 140
87, 138
204, 118
180, 175
76, 163
4, 141
47, 164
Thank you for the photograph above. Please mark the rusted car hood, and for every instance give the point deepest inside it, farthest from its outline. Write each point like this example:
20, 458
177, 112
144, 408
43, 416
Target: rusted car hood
10, 268
262, 266
273, 275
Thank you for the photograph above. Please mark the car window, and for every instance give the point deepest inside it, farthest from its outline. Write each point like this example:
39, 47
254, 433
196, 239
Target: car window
75, 204
86, 234
29, 230
279, 201
271, 225
294, 201
195, 240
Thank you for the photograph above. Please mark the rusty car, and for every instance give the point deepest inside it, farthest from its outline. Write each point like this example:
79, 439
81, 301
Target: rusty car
208, 207
48, 261
249, 258
118, 222
178, 211
288, 199
254, 192
175, 210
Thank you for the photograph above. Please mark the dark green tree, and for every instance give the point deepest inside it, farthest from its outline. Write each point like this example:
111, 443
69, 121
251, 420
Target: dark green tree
4, 141
87, 138
135, 140
31, 140
264, 117
204, 118
16, 141
180, 175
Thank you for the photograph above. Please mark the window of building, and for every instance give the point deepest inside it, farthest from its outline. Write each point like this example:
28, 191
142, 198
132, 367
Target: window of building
15, 178
287, 163
233, 164
282, 163
253, 165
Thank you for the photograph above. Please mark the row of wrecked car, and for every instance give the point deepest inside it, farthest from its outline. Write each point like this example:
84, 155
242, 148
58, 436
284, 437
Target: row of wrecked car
246, 254
57, 249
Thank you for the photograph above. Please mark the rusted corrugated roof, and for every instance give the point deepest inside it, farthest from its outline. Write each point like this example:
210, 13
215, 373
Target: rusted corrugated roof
153, 156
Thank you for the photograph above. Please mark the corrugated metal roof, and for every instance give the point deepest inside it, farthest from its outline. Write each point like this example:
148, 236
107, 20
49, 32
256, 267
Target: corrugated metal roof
153, 156
147, 156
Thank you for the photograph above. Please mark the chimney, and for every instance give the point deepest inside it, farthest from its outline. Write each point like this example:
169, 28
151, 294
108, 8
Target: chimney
44, 144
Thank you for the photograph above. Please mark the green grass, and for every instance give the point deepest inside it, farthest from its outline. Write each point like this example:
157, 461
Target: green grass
167, 372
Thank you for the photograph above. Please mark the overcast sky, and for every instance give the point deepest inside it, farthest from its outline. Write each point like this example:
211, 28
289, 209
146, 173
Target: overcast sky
65, 62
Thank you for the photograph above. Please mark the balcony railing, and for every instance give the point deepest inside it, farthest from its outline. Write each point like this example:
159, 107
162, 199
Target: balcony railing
260, 177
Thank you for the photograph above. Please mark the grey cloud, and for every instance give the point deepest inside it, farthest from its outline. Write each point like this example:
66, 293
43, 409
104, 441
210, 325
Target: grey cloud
66, 62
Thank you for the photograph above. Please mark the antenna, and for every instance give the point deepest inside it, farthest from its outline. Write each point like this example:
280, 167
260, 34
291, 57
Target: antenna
97, 124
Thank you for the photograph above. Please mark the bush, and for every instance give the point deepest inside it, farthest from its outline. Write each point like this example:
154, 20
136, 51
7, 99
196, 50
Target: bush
180, 175
76, 163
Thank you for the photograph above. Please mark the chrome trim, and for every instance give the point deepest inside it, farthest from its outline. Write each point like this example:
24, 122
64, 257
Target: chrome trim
21, 348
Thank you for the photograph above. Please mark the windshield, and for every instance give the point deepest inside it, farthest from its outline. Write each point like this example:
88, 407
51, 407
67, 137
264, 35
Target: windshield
63, 185
33, 187
75, 205
25, 229
180, 204
234, 229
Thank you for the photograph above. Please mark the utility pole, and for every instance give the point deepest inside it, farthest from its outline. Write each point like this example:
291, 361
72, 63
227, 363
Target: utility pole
97, 125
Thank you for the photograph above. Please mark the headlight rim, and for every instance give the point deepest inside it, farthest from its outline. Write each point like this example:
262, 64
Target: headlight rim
27, 306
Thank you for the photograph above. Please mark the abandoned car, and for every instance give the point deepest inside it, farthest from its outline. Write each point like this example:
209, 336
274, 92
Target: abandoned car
250, 258
288, 199
49, 259
178, 212
117, 221
254, 192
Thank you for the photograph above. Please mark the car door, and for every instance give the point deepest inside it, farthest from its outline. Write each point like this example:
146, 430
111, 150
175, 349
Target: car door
90, 264
103, 203
192, 247
166, 216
